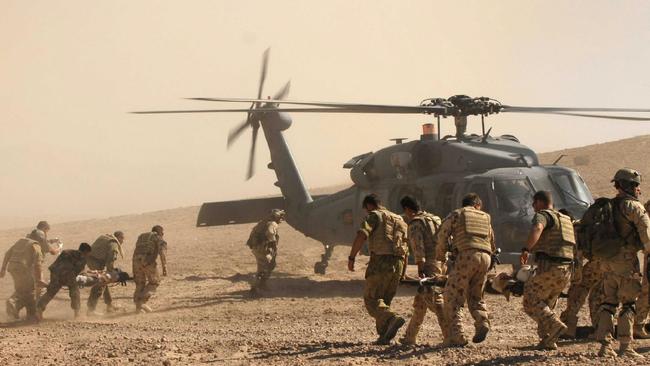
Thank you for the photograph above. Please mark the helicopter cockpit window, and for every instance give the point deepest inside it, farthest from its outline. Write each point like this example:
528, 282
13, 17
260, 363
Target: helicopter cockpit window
514, 196
572, 188
483, 192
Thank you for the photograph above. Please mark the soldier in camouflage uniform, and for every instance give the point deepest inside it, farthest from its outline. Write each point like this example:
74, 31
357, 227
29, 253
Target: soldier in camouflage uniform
148, 248
622, 280
642, 305
591, 275
104, 254
472, 244
24, 261
14, 305
263, 242
63, 272
386, 234
552, 239
421, 236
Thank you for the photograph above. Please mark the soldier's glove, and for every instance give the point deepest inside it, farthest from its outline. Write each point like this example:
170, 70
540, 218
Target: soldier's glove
122, 278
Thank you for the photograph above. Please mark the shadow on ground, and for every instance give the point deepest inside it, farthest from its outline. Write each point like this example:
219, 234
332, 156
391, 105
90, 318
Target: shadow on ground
284, 285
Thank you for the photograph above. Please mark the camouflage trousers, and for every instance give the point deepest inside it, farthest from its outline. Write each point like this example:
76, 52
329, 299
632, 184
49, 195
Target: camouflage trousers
621, 285
265, 256
56, 282
542, 291
590, 276
642, 303
146, 278
427, 298
98, 291
25, 291
465, 283
382, 278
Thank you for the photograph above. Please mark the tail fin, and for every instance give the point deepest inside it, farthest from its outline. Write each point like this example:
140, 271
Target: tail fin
289, 180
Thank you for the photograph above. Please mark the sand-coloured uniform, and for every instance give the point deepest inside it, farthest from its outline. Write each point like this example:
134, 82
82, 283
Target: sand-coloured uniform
23, 261
622, 278
63, 272
386, 233
104, 254
263, 242
472, 244
421, 237
148, 248
554, 253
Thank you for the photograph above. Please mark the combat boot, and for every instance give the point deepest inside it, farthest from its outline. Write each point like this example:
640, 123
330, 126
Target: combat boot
481, 333
640, 332
627, 351
571, 328
146, 308
459, 342
554, 332
12, 312
606, 351
394, 324
76, 313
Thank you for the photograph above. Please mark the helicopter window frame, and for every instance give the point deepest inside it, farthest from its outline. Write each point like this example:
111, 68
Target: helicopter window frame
522, 208
576, 193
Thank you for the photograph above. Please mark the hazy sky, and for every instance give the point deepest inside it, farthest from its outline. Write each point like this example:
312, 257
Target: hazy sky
71, 70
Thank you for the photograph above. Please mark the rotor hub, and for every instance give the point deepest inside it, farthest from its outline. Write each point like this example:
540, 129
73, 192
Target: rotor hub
463, 105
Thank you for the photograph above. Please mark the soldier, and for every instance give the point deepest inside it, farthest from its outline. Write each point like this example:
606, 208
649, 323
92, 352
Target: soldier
642, 305
24, 262
386, 234
622, 280
552, 239
421, 236
263, 242
14, 305
63, 272
591, 275
104, 254
148, 248
472, 244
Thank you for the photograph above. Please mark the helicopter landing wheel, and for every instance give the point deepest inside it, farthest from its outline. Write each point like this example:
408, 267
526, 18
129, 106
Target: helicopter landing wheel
321, 267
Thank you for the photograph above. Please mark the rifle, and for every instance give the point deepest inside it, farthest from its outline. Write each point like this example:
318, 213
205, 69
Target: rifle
494, 259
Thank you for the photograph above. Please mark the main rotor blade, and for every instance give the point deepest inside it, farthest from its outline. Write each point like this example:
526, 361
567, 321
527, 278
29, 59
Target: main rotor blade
265, 64
624, 118
507, 108
251, 158
282, 93
357, 109
299, 102
235, 132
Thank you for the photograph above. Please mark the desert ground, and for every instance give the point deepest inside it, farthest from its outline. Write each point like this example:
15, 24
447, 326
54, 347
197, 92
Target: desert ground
203, 314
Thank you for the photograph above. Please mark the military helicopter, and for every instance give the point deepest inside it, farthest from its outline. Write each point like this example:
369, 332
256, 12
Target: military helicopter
437, 170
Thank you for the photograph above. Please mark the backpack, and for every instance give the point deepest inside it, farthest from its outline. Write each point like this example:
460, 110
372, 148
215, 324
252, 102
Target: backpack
596, 234
395, 231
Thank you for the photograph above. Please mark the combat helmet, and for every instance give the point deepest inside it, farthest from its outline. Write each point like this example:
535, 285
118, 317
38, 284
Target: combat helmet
277, 214
627, 175
39, 236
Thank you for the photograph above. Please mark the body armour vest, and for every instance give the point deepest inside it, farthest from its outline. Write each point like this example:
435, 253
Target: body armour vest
102, 248
472, 230
147, 244
389, 236
558, 241
24, 251
431, 224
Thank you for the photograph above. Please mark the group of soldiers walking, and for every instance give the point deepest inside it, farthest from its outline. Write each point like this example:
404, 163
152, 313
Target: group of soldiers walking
462, 246
24, 262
